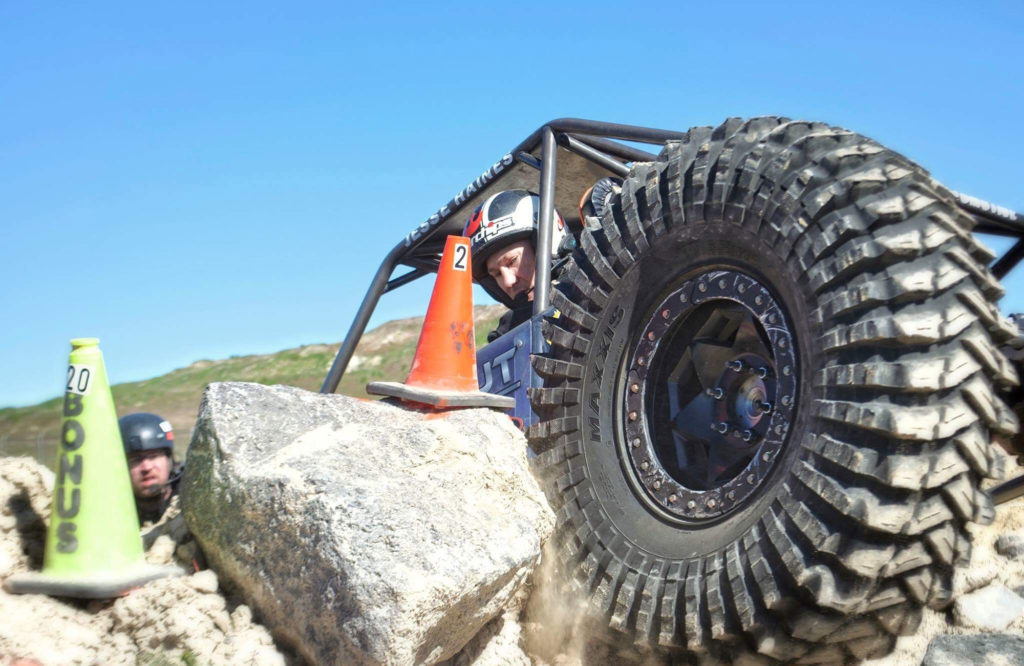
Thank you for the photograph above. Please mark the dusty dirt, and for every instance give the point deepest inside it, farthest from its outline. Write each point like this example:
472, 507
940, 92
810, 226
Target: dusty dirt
180, 620
190, 619
554, 635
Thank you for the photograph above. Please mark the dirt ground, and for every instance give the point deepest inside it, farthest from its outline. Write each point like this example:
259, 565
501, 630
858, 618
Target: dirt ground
185, 619
190, 619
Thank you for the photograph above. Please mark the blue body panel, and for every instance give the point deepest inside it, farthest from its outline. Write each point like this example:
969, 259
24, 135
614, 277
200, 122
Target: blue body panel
503, 367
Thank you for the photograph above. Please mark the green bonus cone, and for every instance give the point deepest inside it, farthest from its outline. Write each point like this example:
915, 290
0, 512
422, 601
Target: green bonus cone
93, 545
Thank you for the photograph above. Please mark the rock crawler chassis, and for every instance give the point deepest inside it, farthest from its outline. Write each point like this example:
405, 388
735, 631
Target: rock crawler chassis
765, 388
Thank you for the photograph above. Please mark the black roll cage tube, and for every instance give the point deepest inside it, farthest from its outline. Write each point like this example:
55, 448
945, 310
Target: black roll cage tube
597, 142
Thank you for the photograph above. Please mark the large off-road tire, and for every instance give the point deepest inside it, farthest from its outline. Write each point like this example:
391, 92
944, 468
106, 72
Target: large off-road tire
770, 395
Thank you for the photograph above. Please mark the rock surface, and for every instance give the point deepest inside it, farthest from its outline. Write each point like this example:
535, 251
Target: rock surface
991, 608
25, 488
197, 619
979, 650
363, 532
499, 643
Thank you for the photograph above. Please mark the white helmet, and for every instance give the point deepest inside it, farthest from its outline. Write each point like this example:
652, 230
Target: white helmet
503, 219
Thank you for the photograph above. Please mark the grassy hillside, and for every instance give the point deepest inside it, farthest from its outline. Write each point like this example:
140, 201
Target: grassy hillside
384, 353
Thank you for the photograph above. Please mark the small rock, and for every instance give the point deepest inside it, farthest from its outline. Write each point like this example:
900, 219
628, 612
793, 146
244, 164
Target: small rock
222, 621
974, 578
497, 644
990, 609
241, 617
977, 650
162, 550
203, 581
8, 564
1011, 546
7, 522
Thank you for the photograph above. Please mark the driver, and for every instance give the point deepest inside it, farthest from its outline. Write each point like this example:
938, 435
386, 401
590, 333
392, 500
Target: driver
503, 242
148, 444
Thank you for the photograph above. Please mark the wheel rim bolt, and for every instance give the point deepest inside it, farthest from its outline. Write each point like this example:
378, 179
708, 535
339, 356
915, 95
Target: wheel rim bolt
682, 298
691, 505
766, 456
664, 314
644, 465
703, 287
711, 503
635, 388
672, 498
657, 484
771, 318
650, 335
632, 416
778, 429
641, 361
782, 343
721, 284
747, 435
750, 479
786, 400
636, 443
731, 495
742, 288
787, 370
759, 300
762, 372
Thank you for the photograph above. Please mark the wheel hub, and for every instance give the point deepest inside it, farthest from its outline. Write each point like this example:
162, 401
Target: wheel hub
710, 394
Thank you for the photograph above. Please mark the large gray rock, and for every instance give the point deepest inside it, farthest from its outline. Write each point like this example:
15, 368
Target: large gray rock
977, 650
363, 532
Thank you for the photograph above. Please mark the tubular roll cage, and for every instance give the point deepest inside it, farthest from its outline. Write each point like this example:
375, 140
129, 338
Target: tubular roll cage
594, 149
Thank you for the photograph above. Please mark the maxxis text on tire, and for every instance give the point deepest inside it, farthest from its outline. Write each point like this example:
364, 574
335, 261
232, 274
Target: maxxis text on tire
819, 301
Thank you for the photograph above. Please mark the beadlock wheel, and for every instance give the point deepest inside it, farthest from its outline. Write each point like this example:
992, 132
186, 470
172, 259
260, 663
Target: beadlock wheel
709, 395
770, 396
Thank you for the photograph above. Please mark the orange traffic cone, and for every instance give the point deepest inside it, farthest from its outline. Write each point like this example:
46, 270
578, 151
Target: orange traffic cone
443, 372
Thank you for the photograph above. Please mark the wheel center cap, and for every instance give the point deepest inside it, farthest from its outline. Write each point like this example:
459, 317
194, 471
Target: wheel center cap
751, 402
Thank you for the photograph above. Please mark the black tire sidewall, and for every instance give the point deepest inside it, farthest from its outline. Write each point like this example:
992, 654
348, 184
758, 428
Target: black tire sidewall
690, 249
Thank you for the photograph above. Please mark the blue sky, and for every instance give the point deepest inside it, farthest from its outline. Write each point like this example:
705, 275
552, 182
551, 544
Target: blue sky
199, 180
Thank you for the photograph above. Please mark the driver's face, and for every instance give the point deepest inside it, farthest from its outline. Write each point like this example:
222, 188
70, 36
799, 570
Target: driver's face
513, 269
150, 471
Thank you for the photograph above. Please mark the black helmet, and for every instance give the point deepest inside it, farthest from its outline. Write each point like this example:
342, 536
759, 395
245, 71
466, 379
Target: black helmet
144, 431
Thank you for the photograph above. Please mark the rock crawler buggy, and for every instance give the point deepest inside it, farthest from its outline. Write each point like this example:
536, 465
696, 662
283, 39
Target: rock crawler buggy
766, 386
